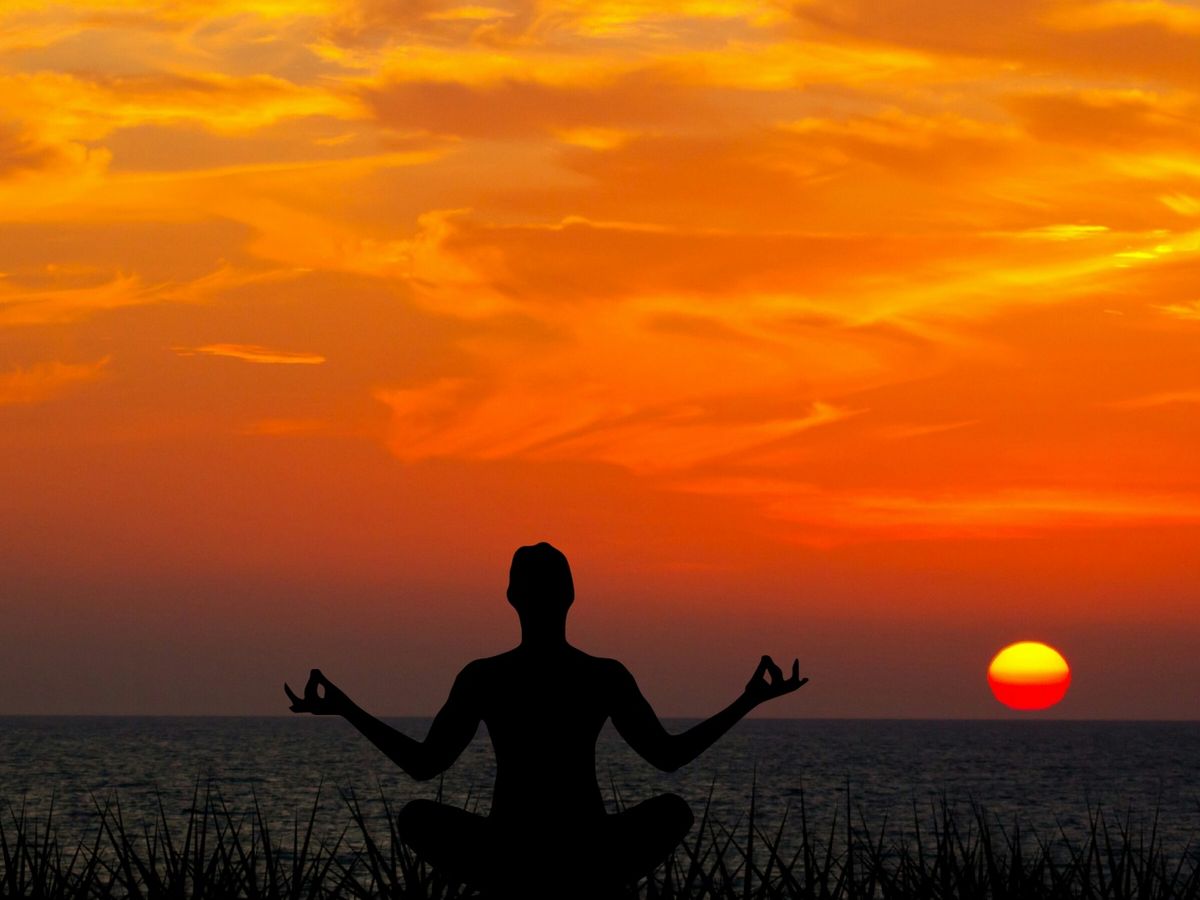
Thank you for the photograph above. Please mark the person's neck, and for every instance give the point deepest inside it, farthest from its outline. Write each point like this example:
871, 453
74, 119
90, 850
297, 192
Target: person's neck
544, 636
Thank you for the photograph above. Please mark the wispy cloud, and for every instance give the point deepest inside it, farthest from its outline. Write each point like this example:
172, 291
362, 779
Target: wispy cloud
457, 418
912, 430
824, 517
45, 381
32, 306
254, 353
1165, 398
1189, 311
1183, 204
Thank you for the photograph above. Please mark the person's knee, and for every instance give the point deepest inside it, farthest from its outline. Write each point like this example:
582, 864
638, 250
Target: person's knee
676, 814
647, 834
413, 820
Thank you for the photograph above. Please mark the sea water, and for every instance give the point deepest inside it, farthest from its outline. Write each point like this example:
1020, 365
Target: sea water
1051, 776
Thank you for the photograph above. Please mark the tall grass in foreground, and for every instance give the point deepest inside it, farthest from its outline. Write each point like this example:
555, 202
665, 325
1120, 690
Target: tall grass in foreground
216, 853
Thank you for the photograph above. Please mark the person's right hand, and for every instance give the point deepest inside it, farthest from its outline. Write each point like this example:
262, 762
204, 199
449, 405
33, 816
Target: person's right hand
327, 701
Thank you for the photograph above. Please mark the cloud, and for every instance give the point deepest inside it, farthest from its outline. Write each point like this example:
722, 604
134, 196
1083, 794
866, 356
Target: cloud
460, 419
1064, 232
546, 265
1188, 311
154, 16
1164, 398
254, 353
1126, 119
635, 17
511, 107
754, 282
1108, 14
81, 106
370, 24
63, 294
905, 431
20, 152
45, 381
907, 144
1080, 37
822, 173
1183, 204
823, 517
58, 305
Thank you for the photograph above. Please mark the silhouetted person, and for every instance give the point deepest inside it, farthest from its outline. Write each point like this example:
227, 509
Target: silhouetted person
544, 703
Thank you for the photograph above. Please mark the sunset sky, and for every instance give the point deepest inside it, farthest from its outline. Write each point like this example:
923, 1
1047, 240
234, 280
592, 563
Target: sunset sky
865, 332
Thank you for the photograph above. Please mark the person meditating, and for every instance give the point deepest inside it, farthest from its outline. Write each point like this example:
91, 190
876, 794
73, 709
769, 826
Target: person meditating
544, 703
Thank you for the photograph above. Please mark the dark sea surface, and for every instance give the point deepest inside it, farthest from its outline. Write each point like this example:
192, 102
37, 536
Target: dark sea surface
1050, 775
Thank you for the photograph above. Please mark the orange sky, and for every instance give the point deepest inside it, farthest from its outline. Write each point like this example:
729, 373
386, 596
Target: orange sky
865, 332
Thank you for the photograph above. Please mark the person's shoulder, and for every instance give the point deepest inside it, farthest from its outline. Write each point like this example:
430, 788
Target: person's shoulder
485, 667
610, 669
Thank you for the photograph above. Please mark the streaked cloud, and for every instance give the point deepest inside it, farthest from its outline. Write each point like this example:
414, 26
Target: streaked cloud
26, 306
1074, 37
1164, 398
1187, 310
45, 381
458, 419
903, 432
823, 517
1184, 204
1109, 14
1063, 232
20, 152
254, 353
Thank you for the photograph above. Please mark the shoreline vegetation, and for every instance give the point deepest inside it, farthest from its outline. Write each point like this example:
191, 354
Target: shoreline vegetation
943, 852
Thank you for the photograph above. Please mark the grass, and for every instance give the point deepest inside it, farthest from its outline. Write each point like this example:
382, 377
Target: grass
944, 853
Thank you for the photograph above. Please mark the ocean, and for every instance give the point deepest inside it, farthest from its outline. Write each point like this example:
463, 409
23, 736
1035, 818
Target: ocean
1051, 776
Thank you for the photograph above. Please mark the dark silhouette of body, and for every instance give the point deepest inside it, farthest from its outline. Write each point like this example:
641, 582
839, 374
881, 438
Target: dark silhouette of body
544, 703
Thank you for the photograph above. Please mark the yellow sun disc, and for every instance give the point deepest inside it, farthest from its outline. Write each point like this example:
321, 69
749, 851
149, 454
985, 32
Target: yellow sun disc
1029, 675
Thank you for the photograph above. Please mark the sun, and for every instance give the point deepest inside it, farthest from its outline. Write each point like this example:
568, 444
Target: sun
1029, 675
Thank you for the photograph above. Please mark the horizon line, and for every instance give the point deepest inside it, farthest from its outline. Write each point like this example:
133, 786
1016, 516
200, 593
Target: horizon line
293, 716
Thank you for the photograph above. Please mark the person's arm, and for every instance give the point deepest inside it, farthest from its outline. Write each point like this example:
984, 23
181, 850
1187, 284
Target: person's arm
451, 731
637, 723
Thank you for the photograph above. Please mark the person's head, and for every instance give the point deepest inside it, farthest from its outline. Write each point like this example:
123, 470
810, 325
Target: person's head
539, 582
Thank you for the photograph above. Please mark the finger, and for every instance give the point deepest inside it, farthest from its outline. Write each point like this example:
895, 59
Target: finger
795, 671
298, 705
762, 668
776, 672
320, 683
802, 682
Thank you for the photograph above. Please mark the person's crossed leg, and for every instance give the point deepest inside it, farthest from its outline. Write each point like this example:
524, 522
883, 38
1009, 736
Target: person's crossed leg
595, 859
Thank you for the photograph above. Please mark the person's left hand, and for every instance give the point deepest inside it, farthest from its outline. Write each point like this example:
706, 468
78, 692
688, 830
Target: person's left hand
327, 701
768, 682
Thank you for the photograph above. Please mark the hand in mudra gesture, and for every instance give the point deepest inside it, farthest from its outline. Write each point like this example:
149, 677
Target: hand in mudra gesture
321, 697
768, 682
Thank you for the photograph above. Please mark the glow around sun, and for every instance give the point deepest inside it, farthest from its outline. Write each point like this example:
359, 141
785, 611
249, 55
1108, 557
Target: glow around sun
1029, 675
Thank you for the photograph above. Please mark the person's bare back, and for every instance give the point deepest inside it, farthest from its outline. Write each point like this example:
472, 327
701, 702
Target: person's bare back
543, 712
544, 703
